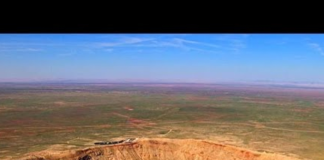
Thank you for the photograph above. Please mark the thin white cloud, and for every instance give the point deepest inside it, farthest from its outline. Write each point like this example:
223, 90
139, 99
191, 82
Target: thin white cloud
282, 43
203, 50
10, 49
166, 43
149, 42
107, 44
237, 45
183, 44
232, 45
13, 44
66, 54
32, 49
181, 41
126, 41
133, 40
109, 50
232, 42
316, 47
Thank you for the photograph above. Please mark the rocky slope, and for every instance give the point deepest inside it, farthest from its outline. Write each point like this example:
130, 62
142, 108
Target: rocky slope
160, 149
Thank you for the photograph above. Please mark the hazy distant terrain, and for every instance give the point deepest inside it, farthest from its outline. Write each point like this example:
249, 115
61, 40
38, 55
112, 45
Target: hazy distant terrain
267, 118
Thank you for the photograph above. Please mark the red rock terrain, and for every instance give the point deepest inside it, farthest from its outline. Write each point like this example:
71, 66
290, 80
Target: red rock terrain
160, 149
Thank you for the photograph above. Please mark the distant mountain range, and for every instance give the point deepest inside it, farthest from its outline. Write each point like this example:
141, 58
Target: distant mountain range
258, 82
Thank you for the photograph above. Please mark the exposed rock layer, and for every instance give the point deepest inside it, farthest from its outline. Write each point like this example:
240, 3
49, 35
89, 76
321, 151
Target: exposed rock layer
161, 149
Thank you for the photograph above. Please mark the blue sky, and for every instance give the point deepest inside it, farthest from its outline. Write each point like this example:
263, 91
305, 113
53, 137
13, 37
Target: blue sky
163, 57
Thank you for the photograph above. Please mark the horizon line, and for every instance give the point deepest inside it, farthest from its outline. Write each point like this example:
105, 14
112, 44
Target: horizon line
98, 81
